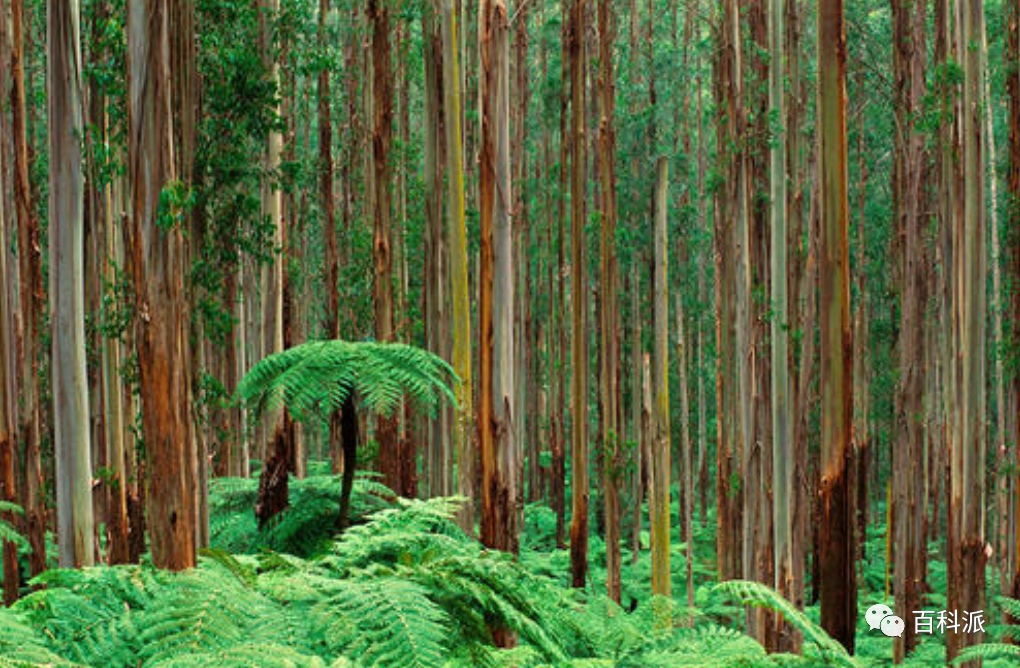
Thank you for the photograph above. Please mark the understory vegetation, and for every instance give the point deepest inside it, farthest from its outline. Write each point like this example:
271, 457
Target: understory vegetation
405, 587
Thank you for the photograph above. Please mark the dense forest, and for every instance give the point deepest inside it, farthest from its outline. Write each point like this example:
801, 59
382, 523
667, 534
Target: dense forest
435, 334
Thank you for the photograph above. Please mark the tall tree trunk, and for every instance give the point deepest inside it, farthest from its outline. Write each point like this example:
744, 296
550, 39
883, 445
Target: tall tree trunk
908, 60
436, 256
113, 392
158, 261
782, 414
8, 394
273, 496
501, 505
457, 239
31, 301
838, 585
967, 497
659, 469
609, 349
378, 14
1013, 241
801, 296
686, 476
75, 521
637, 414
574, 46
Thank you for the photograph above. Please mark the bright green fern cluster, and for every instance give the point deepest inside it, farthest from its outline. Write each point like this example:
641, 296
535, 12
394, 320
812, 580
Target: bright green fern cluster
305, 528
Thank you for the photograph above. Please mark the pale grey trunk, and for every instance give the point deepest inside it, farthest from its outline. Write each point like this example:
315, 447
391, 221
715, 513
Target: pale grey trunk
75, 525
782, 437
503, 367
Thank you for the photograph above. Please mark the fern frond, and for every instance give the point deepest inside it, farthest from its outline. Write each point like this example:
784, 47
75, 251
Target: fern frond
316, 378
8, 534
988, 651
384, 621
757, 594
244, 655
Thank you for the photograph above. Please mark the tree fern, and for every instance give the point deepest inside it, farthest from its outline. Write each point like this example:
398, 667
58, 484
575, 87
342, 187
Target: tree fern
317, 377
757, 594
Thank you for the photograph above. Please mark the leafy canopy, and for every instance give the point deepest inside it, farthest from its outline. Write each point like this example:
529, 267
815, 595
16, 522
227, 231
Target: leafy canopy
316, 378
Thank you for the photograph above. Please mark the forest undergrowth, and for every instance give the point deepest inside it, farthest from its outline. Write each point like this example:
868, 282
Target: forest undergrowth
406, 588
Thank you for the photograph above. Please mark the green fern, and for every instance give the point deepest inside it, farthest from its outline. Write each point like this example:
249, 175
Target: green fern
754, 593
383, 621
316, 378
8, 534
305, 528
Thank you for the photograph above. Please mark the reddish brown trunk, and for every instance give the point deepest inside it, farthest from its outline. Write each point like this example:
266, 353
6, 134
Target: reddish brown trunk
157, 264
909, 198
838, 584
378, 15
1013, 269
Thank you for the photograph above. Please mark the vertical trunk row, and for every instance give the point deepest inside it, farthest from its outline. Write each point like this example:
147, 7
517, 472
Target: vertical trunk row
457, 239
8, 393
434, 291
278, 462
686, 477
967, 556
909, 200
800, 303
75, 523
326, 191
608, 308
659, 469
1013, 255
378, 15
159, 256
574, 46
500, 517
838, 585
782, 416
31, 295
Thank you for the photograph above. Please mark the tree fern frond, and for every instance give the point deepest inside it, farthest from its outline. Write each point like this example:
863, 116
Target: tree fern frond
384, 621
757, 594
707, 646
988, 651
243, 655
8, 534
316, 377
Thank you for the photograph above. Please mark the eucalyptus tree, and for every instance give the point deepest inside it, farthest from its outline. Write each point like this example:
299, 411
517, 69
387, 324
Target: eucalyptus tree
158, 257
574, 47
381, 214
782, 413
659, 469
73, 457
456, 236
30, 291
967, 467
838, 586
909, 31
498, 443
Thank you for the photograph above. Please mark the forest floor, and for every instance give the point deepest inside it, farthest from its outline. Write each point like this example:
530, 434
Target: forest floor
405, 588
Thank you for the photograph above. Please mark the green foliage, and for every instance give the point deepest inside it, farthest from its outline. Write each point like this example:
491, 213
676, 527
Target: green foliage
405, 588
304, 528
756, 594
1001, 648
315, 378
8, 534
